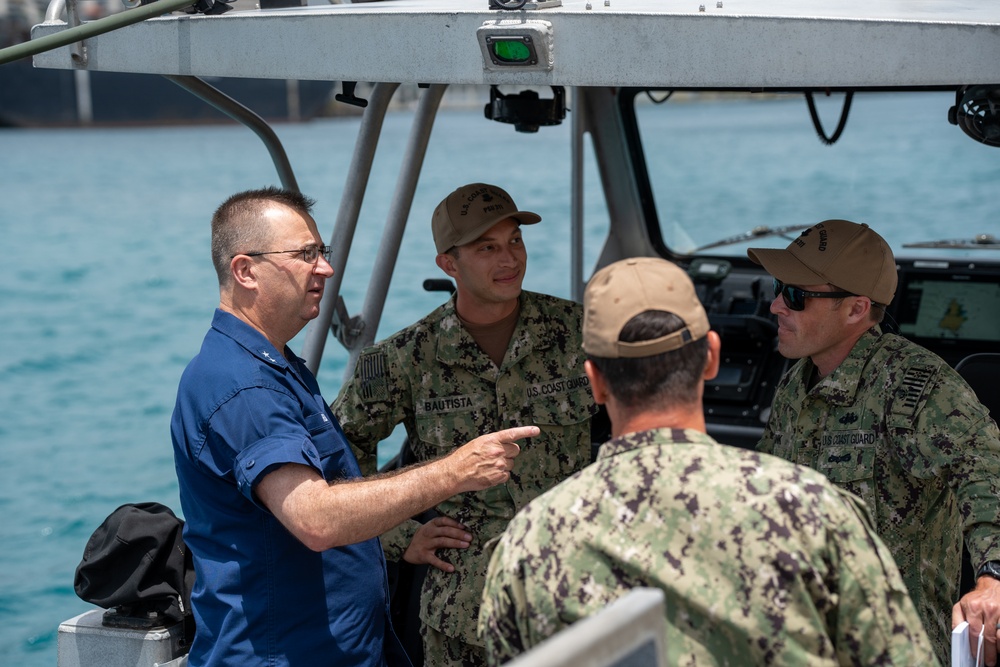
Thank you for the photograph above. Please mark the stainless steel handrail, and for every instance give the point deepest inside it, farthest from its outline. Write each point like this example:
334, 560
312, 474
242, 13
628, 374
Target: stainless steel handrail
89, 29
244, 115
399, 211
347, 221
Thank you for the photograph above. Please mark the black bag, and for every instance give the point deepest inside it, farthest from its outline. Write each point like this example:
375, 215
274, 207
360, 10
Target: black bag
137, 565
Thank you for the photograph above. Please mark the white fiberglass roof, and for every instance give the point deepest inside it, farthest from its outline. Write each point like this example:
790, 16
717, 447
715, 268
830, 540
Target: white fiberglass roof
670, 43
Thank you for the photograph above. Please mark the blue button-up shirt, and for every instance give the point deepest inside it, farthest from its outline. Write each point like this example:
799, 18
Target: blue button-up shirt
260, 596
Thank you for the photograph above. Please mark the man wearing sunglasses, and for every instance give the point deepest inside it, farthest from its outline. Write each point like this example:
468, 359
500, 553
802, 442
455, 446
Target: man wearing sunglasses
492, 354
887, 420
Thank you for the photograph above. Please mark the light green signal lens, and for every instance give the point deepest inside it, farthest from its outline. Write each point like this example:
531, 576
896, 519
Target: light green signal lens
511, 51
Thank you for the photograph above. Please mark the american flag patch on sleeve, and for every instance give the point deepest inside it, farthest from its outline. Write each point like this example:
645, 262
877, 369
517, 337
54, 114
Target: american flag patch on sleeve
372, 375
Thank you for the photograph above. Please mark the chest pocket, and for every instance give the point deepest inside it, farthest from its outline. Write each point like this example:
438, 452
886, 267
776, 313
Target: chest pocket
445, 423
851, 467
566, 409
783, 448
331, 445
322, 433
565, 419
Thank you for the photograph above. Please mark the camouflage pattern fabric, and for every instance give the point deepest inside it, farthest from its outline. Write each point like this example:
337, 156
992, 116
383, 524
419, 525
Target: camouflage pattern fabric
433, 378
762, 562
897, 426
440, 650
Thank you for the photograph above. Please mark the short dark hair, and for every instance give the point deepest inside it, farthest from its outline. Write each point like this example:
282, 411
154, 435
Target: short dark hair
238, 224
875, 315
669, 377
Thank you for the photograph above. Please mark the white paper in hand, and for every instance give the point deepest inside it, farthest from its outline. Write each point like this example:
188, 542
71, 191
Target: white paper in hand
961, 656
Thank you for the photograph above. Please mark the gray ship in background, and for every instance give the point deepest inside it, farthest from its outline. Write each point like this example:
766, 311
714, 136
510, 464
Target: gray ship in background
31, 97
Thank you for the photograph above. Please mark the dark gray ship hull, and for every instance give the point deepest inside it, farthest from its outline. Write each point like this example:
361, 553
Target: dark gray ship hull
31, 97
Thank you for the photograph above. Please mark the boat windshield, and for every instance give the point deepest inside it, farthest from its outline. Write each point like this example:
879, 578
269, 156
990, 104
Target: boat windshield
730, 171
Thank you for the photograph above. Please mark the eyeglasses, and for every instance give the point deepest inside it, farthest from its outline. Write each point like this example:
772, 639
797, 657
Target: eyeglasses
795, 297
309, 254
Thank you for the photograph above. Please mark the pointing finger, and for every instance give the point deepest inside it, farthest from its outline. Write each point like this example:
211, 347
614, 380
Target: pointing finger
518, 433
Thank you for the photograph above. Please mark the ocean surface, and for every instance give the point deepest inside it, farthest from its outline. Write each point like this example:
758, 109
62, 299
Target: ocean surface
106, 286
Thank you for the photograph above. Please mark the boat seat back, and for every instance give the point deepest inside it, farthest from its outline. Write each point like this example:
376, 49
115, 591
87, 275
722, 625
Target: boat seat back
627, 632
981, 372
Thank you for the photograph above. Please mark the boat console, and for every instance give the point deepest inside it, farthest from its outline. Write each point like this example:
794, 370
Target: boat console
951, 308
737, 301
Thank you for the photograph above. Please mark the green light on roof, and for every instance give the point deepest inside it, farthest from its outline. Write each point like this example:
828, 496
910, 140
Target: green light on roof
511, 50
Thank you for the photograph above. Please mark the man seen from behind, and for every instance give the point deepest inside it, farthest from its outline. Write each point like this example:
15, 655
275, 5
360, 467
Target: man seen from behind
762, 562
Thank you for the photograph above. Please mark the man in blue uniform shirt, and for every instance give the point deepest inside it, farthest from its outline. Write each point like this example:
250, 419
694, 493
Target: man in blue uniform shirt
282, 531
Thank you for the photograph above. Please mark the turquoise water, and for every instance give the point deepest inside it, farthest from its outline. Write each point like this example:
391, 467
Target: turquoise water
106, 287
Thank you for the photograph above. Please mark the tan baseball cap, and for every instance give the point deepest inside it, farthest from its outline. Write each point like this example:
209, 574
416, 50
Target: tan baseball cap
469, 212
622, 290
846, 254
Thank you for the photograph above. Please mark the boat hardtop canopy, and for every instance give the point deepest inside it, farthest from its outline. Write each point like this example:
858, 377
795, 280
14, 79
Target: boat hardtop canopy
675, 44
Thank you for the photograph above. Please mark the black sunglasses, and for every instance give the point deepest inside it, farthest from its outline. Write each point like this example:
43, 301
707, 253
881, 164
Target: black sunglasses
795, 297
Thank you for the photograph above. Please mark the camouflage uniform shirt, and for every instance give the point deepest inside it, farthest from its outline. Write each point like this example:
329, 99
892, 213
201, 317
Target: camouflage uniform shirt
435, 379
761, 562
895, 425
